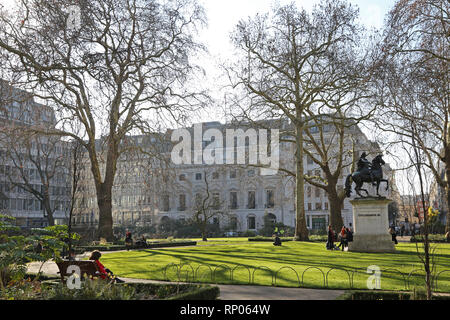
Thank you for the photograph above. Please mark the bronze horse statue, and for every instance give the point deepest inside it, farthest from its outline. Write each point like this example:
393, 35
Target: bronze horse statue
370, 174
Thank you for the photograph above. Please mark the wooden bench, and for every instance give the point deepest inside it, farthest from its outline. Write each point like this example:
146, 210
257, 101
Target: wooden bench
88, 267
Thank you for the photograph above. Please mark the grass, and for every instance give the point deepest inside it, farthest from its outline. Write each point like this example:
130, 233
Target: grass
294, 264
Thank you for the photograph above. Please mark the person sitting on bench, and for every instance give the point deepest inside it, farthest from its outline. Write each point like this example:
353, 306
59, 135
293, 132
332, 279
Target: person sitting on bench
104, 273
277, 241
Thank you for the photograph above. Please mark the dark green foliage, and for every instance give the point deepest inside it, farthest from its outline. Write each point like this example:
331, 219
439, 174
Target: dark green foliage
431, 238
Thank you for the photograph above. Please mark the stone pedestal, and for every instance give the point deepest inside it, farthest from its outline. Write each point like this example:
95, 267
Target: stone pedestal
370, 226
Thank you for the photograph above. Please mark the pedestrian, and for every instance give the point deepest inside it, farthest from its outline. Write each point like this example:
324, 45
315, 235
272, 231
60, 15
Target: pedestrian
393, 234
343, 237
402, 230
330, 240
277, 241
128, 240
349, 235
413, 230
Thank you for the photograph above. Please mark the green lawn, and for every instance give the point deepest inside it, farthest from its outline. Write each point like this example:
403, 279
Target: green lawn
246, 262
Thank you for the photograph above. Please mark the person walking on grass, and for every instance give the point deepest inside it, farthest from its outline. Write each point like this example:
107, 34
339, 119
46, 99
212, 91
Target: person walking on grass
343, 237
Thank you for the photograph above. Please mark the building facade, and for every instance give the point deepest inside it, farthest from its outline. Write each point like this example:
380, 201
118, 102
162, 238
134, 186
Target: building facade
30, 165
147, 191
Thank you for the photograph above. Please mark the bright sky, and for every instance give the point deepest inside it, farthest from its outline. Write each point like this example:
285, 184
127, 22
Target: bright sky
224, 15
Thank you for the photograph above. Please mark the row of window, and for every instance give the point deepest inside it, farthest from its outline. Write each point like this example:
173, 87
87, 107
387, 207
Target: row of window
216, 175
317, 206
216, 203
31, 205
53, 191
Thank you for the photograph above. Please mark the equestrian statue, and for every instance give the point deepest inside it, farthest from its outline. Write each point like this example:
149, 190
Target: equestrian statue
366, 172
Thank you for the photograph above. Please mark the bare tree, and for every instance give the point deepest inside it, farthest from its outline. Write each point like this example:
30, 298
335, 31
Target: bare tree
299, 66
38, 166
412, 98
121, 68
207, 205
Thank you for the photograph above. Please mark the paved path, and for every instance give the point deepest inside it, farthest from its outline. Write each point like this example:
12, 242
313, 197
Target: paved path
229, 292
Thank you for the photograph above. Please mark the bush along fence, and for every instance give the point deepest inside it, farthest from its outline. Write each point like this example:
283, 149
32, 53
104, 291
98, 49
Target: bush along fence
348, 278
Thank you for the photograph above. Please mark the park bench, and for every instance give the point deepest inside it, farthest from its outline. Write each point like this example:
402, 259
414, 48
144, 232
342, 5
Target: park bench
88, 267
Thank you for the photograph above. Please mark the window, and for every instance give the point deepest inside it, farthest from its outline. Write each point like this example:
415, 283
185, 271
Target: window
309, 160
318, 205
326, 205
309, 206
182, 177
233, 223
251, 200
198, 176
233, 174
251, 222
317, 192
182, 203
309, 191
233, 200
216, 201
251, 173
166, 203
318, 223
270, 198
215, 175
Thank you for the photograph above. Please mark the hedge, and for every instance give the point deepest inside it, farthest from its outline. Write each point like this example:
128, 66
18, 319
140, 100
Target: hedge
385, 295
178, 291
206, 293
165, 291
431, 237
314, 238
271, 239
112, 247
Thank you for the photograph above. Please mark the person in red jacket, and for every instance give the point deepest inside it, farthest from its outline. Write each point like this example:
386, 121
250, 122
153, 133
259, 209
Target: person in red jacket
104, 272
343, 236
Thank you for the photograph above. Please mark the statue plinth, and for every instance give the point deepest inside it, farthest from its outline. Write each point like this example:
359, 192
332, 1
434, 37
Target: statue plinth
371, 225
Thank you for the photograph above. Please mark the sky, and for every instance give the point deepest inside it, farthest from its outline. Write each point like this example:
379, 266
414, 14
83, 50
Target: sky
224, 15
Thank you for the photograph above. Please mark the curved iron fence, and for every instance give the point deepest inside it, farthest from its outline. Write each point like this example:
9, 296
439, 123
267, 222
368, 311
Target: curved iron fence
275, 275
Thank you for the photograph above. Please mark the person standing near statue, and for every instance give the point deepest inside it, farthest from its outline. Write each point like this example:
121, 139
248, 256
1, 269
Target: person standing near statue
393, 234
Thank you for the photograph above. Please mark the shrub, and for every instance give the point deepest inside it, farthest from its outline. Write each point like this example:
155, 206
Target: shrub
91, 289
431, 238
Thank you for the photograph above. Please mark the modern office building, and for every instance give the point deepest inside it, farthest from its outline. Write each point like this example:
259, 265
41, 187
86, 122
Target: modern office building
30, 164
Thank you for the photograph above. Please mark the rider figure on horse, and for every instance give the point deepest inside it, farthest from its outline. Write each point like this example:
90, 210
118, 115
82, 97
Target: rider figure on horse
364, 164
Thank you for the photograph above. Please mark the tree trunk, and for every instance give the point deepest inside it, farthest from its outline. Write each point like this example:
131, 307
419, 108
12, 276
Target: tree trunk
105, 221
447, 193
301, 231
335, 205
48, 211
